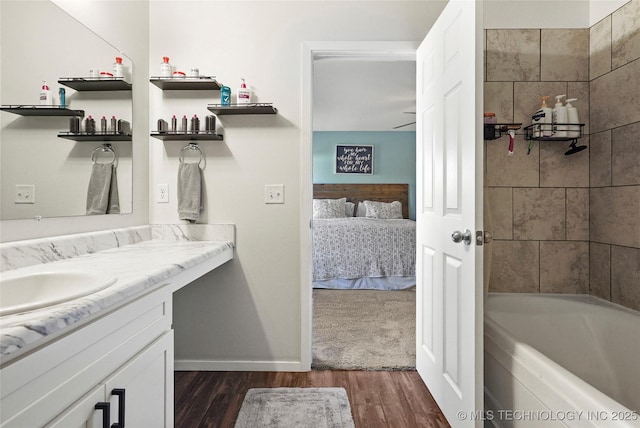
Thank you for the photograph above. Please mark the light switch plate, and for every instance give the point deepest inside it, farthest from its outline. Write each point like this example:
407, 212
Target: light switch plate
274, 194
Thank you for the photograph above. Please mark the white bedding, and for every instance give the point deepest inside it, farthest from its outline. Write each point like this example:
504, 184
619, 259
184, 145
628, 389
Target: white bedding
358, 252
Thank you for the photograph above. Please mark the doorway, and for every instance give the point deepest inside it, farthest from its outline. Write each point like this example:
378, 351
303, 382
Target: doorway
312, 52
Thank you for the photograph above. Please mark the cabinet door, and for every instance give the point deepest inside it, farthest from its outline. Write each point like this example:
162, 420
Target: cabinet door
82, 414
147, 381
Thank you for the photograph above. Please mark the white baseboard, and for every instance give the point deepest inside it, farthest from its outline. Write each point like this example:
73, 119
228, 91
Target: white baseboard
240, 366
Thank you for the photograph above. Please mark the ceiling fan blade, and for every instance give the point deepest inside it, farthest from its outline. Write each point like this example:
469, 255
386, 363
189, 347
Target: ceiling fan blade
402, 126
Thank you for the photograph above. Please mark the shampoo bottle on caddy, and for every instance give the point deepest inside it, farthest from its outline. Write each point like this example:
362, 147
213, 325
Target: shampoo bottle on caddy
560, 116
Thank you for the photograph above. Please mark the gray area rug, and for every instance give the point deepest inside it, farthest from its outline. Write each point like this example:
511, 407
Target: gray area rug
364, 330
295, 407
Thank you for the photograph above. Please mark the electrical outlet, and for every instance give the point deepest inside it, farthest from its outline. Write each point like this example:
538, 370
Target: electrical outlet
274, 194
162, 194
25, 194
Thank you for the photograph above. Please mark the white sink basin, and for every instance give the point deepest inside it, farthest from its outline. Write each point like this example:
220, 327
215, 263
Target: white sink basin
25, 292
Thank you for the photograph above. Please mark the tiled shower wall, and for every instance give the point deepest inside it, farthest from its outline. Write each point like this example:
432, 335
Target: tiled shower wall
567, 224
614, 215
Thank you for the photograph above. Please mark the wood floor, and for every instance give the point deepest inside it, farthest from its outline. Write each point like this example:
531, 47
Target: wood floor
378, 398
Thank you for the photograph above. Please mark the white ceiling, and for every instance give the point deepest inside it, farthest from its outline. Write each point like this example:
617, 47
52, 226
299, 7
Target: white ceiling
363, 94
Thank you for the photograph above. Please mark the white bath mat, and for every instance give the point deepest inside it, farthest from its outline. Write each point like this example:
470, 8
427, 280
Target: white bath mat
295, 407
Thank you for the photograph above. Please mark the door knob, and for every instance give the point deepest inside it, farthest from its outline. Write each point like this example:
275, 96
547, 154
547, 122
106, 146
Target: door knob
465, 237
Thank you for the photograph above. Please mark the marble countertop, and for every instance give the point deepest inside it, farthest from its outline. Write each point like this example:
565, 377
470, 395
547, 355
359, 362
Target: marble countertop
138, 267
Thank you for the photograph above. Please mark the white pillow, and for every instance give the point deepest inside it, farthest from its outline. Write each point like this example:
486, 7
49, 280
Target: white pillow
329, 208
391, 210
349, 208
361, 211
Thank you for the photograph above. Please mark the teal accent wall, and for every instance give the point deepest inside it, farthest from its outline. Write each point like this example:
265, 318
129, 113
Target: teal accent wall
394, 159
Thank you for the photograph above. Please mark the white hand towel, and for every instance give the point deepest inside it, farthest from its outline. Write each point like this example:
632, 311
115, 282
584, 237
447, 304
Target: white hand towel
102, 194
189, 191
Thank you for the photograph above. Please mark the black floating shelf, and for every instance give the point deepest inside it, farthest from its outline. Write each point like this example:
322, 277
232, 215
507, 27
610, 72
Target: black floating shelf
177, 136
37, 110
98, 136
95, 83
254, 108
203, 83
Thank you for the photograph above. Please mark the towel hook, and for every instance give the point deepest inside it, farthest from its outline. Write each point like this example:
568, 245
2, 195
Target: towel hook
105, 148
194, 147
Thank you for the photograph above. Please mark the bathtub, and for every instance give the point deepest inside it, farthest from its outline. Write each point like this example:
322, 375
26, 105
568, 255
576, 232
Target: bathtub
560, 360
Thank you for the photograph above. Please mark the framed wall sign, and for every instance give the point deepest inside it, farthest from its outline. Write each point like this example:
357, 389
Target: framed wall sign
351, 159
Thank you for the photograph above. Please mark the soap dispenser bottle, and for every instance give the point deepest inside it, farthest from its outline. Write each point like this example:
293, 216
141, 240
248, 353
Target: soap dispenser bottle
243, 95
45, 95
572, 117
543, 118
560, 117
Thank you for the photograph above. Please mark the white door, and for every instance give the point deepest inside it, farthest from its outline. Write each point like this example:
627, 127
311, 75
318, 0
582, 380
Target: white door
449, 193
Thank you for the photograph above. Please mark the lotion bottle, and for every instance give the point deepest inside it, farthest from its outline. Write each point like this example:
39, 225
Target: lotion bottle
572, 117
560, 116
543, 117
243, 95
118, 68
165, 67
45, 95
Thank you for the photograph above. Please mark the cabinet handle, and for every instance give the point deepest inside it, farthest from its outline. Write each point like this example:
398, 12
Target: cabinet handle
120, 393
106, 413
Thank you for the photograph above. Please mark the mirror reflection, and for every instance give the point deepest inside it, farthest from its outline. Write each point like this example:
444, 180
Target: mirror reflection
43, 171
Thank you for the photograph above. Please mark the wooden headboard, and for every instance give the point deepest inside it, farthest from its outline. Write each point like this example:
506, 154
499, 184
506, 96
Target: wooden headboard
361, 192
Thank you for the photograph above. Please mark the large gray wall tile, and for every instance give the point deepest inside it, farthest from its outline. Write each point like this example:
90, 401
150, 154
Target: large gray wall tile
498, 98
625, 34
516, 170
615, 98
600, 48
564, 267
515, 267
613, 215
513, 55
625, 155
625, 276
600, 270
578, 214
600, 159
499, 204
527, 98
539, 213
558, 170
564, 55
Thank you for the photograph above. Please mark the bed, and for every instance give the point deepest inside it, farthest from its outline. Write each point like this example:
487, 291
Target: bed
352, 248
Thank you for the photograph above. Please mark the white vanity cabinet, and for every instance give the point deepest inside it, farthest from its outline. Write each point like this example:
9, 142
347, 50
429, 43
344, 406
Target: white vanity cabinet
130, 349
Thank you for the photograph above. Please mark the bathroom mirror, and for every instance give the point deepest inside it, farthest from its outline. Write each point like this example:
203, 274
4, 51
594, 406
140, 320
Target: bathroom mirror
42, 174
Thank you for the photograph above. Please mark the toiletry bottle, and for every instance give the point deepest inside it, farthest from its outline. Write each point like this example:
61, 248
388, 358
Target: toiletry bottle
560, 117
89, 125
174, 124
184, 124
543, 118
165, 68
225, 96
63, 98
103, 125
45, 95
243, 95
118, 70
572, 117
114, 125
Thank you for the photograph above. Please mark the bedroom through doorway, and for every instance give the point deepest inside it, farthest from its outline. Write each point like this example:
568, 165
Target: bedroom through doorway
363, 253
